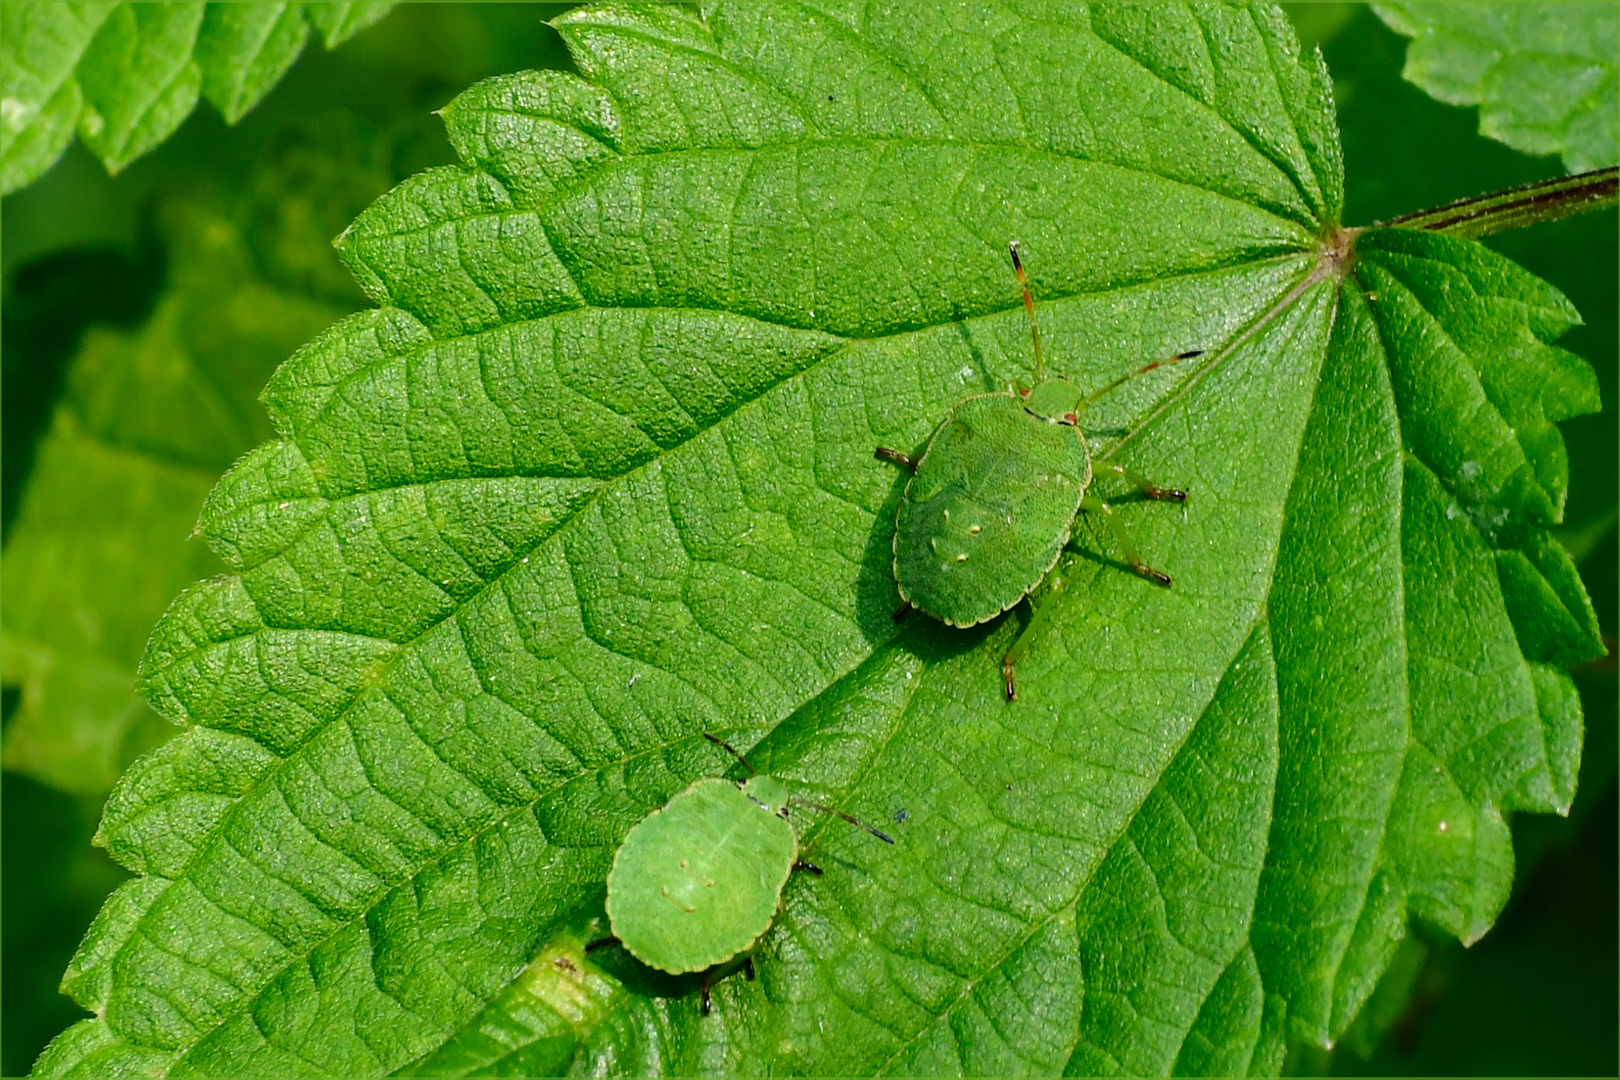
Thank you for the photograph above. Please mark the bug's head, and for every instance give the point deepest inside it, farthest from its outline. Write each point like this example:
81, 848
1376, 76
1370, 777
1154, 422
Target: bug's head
1057, 400
767, 791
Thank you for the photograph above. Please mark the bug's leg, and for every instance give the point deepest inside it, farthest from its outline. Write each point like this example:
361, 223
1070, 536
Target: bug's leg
902, 611
812, 867
1041, 609
604, 943
748, 969
1123, 538
1142, 483
883, 453
1143, 370
1020, 646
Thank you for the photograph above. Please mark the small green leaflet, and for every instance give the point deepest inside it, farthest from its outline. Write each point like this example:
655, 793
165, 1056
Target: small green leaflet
1546, 77
124, 76
596, 477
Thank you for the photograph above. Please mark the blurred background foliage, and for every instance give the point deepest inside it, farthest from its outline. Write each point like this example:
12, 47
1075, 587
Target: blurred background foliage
143, 314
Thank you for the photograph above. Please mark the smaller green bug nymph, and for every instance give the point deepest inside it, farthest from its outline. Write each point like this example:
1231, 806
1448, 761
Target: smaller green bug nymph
696, 884
992, 501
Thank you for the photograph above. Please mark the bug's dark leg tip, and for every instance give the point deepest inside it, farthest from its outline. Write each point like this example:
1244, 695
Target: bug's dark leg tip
1158, 577
811, 867
883, 453
604, 943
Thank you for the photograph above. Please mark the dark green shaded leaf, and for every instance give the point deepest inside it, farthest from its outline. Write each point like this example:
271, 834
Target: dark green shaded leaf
149, 419
1404, 151
99, 545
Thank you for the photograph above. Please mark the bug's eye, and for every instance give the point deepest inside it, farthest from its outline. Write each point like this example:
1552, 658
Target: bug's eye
1071, 418
1023, 391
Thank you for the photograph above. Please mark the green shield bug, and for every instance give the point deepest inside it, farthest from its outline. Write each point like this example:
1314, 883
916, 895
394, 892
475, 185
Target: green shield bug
696, 884
992, 501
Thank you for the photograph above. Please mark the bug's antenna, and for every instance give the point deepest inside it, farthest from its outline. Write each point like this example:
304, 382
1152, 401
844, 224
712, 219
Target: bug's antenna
808, 805
727, 748
1029, 307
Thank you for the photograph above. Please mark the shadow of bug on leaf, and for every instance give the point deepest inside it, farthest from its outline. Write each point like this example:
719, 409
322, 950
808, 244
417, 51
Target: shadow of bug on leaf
696, 884
992, 501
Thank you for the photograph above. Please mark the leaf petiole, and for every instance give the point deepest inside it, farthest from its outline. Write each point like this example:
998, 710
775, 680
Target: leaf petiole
1528, 204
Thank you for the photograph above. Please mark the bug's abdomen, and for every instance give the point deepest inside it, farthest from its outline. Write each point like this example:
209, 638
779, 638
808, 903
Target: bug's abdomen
988, 510
696, 883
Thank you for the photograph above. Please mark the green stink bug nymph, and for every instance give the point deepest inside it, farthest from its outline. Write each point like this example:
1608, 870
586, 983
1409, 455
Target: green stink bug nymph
992, 501
696, 884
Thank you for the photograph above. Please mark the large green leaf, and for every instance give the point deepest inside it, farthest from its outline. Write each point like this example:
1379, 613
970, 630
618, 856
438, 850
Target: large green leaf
125, 75
1545, 76
596, 477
